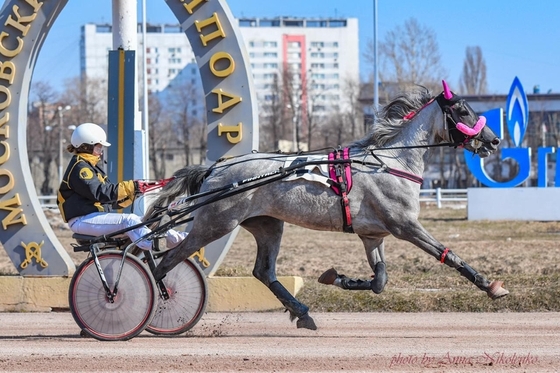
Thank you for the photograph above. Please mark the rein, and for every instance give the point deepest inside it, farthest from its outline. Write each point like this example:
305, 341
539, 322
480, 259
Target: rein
399, 173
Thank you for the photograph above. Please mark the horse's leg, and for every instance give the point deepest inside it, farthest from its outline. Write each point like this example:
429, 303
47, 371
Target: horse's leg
268, 234
415, 233
376, 259
375, 252
202, 233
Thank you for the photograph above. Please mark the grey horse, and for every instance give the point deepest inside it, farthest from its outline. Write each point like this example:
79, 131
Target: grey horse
385, 168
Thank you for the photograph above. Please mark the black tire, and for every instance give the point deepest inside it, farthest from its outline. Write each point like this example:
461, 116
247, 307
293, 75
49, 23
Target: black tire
133, 307
188, 296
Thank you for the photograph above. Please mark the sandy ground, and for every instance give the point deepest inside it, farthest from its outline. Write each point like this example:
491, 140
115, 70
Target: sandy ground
349, 342
268, 342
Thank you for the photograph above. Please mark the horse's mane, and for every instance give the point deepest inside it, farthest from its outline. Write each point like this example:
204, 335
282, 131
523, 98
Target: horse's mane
389, 121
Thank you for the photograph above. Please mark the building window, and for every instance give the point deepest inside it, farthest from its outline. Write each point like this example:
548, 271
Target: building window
317, 24
341, 23
294, 44
293, 23
103, 28
270, 23
247, 23
272, 44
171, 29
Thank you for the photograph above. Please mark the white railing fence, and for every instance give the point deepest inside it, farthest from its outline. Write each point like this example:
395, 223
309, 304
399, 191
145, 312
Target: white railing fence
438, 195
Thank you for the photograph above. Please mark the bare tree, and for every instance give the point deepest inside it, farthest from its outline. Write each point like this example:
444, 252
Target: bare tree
272, 117
42, 139
292, 89
353, 111
473, 77
409, 56
160, 134
88, 98
182, 103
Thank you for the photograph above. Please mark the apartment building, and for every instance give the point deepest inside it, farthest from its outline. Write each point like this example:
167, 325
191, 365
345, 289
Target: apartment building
323, 53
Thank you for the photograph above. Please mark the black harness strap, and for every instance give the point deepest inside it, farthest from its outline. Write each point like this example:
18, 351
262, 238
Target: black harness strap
340, 169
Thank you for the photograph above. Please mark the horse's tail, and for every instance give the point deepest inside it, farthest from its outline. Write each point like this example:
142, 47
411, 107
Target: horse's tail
187, 180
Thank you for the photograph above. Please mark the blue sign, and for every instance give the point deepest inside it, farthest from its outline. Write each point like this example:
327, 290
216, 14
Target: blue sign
517, 117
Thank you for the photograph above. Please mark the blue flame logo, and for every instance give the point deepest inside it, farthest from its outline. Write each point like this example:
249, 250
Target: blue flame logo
517, 114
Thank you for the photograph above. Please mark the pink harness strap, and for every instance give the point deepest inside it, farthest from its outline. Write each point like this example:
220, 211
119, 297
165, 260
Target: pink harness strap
347, 169
342, 174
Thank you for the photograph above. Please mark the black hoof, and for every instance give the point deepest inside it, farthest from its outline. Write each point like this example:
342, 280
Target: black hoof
328, 277
306, 322
380, 279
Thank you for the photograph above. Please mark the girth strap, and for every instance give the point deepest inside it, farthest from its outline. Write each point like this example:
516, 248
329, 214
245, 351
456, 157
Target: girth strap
342, 174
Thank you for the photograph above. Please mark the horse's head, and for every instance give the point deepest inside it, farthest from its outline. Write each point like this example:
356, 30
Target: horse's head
465, 128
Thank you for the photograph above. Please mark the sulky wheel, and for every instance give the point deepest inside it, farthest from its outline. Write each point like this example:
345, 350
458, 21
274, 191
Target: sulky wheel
132, 308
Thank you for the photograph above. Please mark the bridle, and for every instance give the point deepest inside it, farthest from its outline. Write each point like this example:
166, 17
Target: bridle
459, 133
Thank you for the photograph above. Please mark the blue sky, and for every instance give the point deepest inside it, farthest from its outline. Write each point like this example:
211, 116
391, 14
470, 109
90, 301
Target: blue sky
517, 38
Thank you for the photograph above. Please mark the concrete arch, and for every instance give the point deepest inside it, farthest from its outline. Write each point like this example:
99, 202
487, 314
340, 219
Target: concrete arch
231, 116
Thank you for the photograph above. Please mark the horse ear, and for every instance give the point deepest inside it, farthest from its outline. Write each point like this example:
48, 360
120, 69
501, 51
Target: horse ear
446, 91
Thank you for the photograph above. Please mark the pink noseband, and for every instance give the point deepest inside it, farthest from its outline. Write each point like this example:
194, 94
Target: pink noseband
480, 123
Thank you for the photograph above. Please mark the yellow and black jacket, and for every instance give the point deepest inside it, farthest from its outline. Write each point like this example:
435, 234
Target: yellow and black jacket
85, 189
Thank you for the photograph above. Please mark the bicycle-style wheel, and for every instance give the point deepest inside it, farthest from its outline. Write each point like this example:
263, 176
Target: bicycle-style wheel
188, 294
133, 306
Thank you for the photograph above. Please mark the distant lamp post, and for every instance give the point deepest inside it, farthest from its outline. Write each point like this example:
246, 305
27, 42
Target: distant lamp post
61, 111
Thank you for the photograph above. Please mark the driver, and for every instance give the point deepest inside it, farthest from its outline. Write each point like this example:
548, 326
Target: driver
86, 198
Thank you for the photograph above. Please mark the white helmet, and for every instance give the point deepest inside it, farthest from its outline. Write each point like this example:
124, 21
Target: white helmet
89, 133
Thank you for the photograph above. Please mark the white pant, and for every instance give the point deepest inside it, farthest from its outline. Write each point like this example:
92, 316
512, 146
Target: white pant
99, 223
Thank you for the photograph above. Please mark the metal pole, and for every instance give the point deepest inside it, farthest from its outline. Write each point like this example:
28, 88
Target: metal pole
375, 74
61, 111
295, 145
145, 114
60, 124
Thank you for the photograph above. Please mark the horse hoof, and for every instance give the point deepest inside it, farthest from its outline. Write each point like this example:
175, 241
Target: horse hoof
495, 290
328, 277
380, 279
306, 322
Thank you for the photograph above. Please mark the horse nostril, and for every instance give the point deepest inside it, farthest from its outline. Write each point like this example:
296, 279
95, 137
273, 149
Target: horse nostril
496, 141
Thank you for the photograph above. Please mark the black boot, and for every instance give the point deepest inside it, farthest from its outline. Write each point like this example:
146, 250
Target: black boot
380, 280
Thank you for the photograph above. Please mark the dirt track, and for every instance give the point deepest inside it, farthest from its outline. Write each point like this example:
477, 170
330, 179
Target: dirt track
268, 342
